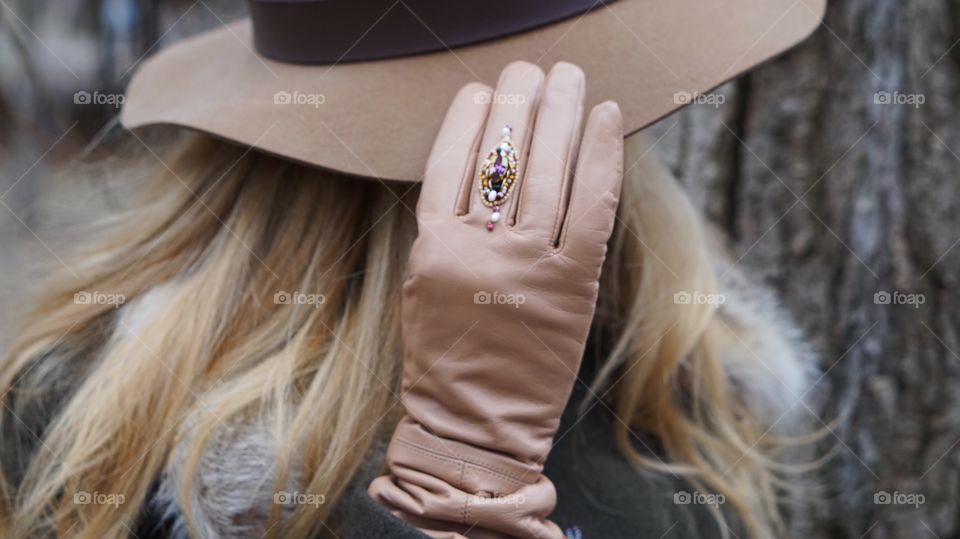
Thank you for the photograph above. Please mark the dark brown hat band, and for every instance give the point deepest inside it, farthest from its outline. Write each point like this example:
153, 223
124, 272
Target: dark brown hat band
332, 31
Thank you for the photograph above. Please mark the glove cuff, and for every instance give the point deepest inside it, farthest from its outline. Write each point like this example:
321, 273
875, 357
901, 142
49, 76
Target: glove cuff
446, 487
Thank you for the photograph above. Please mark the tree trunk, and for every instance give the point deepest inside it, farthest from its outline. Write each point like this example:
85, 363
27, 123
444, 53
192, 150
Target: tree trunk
832, 169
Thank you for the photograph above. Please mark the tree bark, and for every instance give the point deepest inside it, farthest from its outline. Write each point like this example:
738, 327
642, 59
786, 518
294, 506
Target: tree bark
841, 198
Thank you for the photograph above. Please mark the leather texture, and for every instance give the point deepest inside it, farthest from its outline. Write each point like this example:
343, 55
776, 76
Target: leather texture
495, 322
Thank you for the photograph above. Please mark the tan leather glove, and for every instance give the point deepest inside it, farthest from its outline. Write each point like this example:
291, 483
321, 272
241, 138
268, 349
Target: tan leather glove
495, 321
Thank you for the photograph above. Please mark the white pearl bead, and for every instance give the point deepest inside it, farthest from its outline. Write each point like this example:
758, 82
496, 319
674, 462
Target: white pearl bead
494, 217
506, 131
491, 195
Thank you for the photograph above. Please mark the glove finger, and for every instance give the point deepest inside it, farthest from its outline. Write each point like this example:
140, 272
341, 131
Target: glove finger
514, 105
553, 150
449, 173
596, 186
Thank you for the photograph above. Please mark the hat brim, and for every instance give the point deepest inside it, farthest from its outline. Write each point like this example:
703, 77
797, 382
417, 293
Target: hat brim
378, 119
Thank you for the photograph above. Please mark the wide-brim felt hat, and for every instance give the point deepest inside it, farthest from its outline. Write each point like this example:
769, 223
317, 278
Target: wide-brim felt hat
361, 86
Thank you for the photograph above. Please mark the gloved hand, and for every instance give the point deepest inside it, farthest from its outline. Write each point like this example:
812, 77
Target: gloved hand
499, 301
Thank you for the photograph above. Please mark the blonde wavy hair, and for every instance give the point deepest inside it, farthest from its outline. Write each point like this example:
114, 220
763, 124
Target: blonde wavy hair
220, 231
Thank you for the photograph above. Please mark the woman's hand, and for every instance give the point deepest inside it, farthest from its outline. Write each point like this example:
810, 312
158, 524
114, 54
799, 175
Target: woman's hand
497, 308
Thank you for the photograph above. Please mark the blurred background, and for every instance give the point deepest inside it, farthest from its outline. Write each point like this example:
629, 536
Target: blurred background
833, 171
63, 68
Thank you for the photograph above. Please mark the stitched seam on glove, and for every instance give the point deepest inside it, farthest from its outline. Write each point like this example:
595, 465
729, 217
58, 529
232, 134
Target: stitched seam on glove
504, 474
